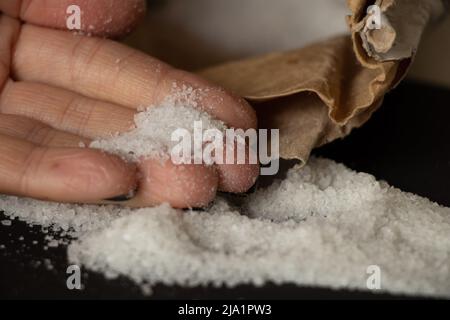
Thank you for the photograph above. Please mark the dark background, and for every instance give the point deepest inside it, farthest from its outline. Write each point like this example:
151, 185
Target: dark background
405, 143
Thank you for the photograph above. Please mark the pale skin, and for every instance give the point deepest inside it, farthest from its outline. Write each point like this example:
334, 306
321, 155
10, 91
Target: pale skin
57, 89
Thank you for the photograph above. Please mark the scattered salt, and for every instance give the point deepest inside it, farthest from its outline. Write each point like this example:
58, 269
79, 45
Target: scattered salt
6, 223
367, 223
324, 225
74, 219
152, 138
348, 222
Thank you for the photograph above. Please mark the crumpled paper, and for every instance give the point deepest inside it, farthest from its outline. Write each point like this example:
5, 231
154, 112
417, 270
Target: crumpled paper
319, 93
402, 23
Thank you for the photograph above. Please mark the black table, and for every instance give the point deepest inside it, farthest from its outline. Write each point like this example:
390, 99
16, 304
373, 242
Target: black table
405, 143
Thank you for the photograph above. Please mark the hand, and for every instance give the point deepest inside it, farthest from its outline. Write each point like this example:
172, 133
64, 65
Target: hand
57, 89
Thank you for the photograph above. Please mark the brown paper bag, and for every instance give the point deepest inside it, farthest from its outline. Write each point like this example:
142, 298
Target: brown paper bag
402, 23
316, 94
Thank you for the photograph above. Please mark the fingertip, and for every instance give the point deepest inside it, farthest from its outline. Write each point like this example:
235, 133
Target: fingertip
224, 105
237, 112
112, 18
241, 173
237, 178
182, 186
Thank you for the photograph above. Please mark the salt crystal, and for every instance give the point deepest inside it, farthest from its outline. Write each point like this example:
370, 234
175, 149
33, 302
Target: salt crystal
48, 264
6, 223
53, 244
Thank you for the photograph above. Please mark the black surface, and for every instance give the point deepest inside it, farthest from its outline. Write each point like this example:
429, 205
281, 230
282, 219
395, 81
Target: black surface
405, 143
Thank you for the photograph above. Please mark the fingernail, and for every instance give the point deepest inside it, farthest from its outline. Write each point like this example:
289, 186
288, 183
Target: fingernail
253, 188
242, 194
124, 197
205, 208
119, 198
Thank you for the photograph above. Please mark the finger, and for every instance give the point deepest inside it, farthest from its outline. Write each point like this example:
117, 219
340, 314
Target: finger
237, 178
9, 30
109, 71
182, 186
233, 176
61, 174
38, 133
65, 110
11, 8
100, 17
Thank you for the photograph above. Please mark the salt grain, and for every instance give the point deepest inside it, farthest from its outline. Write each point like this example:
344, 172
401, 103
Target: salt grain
48, 264
53, 244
